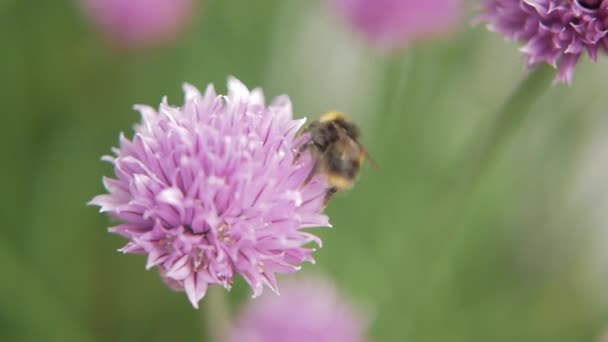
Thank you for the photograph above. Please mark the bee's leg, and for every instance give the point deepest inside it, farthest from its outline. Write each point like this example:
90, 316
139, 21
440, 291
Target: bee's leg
301, 150
368, 157
312, 173
330, 192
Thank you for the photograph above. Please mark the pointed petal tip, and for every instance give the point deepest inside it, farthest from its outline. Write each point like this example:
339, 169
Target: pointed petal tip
237, 89
193, 301
190, 91
101, 202
108, 159
194, 291
151, 263
233, 79
188, 85
257, 291
274, 289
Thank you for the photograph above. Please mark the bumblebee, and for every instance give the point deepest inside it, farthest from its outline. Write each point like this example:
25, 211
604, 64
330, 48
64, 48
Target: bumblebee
335, 148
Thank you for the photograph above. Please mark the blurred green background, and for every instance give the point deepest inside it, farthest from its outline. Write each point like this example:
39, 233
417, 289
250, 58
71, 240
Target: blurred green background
518, 254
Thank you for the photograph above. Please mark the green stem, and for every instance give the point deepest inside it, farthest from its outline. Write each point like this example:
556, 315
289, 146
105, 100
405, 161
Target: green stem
509, 118
395, 80
24, 298
394, 83
216, 313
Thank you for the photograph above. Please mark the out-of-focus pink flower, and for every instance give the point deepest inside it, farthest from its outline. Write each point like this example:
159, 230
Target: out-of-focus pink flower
309, 310
556, 32
395, 23
210, 190
137, 23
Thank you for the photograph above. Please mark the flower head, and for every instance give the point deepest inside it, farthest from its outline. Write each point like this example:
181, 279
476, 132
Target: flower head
135, 23
308, 310
395, 23
210, 189
553, 31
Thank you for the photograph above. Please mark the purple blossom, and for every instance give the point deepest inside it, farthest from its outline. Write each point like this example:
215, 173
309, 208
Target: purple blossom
210, 189
556, 32
135, 23
395, 23
308, 310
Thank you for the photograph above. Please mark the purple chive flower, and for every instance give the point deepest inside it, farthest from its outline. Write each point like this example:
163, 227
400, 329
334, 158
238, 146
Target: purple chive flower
209, 190
136, 23
308, 310
556, 32
395, 23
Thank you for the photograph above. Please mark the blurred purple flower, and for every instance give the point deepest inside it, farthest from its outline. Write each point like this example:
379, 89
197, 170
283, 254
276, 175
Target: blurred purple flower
556, 32
210, 189
136, 23
395, 23
308, 310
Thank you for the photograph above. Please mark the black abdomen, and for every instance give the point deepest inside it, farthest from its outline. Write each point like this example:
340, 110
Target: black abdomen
346, 167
